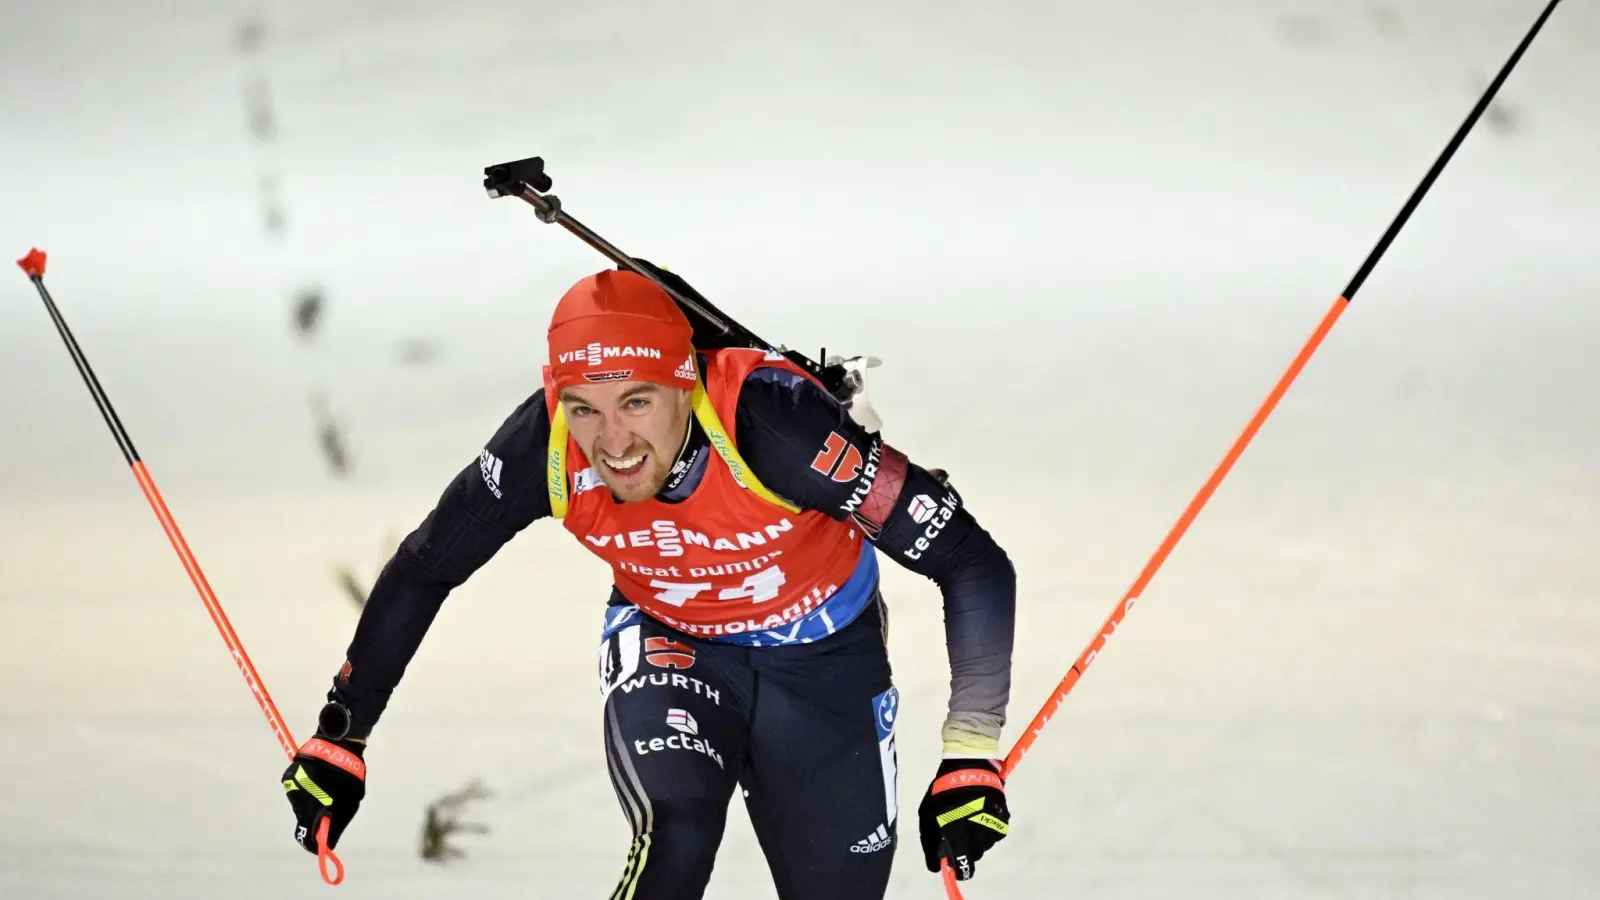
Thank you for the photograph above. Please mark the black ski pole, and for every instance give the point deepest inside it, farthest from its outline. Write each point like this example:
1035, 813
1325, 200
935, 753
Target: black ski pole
1412, 202
1097, 644
34, 264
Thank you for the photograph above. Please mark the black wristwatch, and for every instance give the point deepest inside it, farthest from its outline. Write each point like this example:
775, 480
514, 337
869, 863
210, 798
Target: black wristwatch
334, 721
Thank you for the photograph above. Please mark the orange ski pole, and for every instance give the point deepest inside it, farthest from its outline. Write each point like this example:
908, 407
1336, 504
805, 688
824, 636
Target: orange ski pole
1025, 743
33, 264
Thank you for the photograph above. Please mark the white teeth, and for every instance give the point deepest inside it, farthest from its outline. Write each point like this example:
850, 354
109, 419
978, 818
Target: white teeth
624, 464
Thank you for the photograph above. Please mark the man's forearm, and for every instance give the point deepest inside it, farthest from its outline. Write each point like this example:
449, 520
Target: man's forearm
979, 621
394, 621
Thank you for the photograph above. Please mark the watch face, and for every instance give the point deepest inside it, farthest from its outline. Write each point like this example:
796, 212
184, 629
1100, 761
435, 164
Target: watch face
334, 721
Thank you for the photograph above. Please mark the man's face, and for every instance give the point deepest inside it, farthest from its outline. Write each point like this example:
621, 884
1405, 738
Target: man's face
631, 431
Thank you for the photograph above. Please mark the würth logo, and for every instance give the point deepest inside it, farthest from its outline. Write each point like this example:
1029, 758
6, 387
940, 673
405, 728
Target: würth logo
838, 459
667, 653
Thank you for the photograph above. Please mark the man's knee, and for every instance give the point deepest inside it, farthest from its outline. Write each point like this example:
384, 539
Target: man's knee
830, 866
672, 857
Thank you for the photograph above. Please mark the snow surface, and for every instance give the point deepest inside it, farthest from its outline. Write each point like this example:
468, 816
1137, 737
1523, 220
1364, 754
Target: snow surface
1094, 233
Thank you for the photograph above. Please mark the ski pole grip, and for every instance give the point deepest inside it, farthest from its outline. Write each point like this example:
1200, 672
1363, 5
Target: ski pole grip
325, 855
952, 889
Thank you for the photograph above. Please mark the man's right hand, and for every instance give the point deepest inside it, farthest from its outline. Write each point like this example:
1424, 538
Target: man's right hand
326, 779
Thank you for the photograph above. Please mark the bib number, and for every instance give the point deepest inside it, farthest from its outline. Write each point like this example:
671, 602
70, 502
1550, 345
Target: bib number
758, 586
677, 593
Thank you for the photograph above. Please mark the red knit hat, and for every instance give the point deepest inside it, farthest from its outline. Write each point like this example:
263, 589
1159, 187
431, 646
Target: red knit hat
618, 325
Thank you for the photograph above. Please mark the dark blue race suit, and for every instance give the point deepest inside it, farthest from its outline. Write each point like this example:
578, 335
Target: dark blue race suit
807, 730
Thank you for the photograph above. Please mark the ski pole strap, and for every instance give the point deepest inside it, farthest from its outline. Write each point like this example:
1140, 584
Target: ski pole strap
968, 778
336, 755
325, 855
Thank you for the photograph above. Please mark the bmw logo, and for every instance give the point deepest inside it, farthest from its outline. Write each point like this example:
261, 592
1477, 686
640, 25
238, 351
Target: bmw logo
888, 706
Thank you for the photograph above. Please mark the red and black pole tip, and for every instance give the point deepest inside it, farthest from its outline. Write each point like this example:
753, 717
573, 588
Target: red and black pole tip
33, 263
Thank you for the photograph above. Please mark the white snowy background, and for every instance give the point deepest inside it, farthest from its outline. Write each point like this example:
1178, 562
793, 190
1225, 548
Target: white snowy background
1085, 236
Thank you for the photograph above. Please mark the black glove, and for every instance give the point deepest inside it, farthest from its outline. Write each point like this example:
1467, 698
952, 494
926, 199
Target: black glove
963, 814
326, 779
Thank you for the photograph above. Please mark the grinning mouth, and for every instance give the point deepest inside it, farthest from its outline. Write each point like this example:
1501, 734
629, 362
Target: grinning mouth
627, 465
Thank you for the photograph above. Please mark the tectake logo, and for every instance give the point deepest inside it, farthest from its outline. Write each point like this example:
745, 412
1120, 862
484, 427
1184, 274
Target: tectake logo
687, 738
935, 516
596, 353
680, 720
922, 508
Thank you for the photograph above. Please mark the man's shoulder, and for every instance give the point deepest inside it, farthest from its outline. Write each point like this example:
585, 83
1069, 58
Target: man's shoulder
774, 388
534, 407
511, 465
